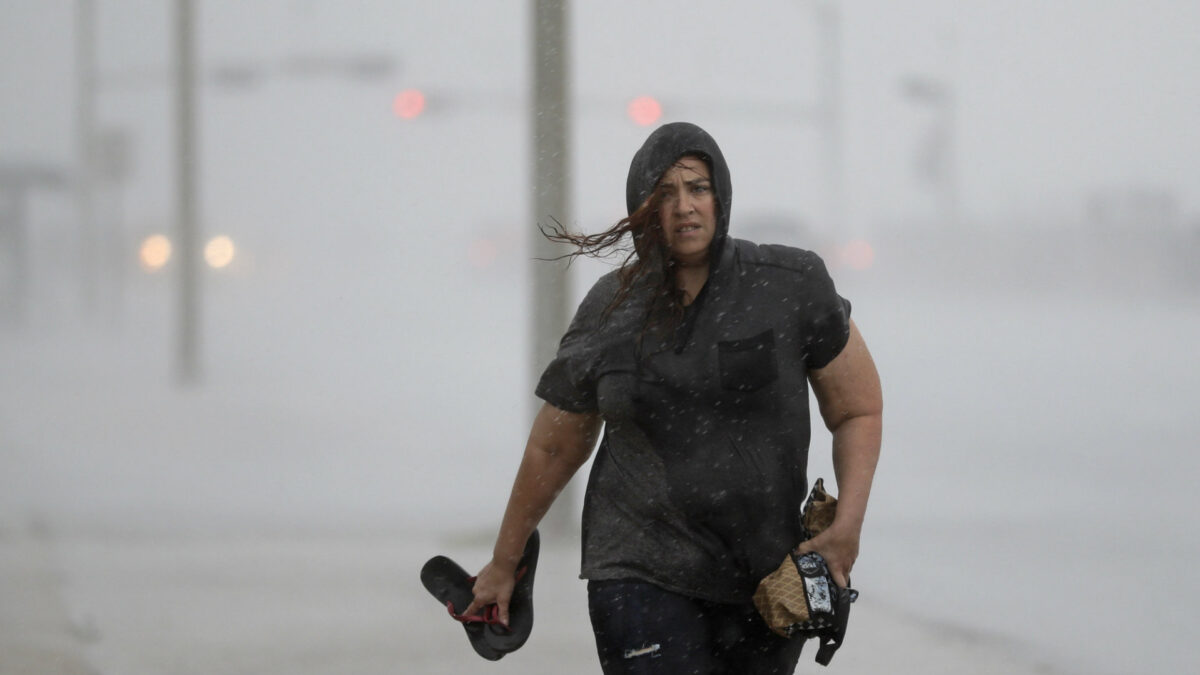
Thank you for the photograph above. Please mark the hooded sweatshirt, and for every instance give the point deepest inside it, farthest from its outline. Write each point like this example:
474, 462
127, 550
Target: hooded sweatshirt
700, 475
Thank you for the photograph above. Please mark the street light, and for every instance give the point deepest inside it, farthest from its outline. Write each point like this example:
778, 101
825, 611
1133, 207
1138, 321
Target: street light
155, 252
219, 252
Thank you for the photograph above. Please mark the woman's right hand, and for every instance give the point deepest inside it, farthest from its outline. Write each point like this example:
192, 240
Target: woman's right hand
493, 586
559, 443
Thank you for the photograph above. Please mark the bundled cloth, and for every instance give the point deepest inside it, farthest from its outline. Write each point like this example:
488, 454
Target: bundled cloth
800, 599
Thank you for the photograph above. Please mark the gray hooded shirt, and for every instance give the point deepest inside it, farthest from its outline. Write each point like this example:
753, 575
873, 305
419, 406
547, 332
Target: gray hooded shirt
701, 472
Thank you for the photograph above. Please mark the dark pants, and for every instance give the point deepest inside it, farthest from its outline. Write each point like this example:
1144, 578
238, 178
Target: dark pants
642, 629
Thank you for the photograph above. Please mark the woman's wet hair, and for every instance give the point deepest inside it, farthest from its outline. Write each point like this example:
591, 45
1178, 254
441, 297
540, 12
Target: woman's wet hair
639, 237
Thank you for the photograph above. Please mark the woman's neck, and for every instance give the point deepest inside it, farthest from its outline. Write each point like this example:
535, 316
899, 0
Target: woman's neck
690, 279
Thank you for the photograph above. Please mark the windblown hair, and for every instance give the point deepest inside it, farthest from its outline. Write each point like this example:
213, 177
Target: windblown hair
639, 237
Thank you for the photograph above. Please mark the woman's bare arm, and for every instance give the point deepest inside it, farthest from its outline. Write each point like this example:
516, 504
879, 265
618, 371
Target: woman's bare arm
851, 402
559, 443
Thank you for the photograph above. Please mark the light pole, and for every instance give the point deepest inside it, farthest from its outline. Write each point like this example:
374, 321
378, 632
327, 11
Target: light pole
187, 365
550, 115
85, 141
829, 24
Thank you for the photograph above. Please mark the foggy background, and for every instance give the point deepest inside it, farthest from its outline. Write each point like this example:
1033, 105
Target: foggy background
1008, 193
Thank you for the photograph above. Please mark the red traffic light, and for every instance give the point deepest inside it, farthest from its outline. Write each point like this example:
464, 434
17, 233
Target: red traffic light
644, 110
408, 104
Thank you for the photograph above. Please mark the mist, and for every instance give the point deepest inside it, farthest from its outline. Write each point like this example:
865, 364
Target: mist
1007, 192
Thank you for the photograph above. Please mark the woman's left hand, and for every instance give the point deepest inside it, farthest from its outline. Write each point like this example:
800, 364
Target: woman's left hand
839, 546
851, 402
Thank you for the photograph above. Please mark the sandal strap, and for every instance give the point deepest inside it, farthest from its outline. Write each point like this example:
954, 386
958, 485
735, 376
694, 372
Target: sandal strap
490, 615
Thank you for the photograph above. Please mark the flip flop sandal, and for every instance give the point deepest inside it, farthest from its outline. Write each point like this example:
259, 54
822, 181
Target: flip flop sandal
509, 638
452, 585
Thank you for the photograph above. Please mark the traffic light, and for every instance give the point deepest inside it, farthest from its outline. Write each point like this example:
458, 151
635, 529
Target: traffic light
408, 104
858, 254
644, 110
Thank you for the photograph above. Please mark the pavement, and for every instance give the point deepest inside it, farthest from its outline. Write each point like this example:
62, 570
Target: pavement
129, 604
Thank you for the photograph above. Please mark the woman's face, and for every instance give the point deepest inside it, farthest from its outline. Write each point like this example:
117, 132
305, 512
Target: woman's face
687, 210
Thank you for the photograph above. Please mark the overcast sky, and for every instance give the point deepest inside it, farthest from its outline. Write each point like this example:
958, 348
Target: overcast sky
1055, 98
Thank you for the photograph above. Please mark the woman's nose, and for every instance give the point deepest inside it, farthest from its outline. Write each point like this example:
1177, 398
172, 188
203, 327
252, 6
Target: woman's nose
683, 203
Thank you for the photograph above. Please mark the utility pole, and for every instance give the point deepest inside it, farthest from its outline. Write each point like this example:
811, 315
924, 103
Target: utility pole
85, 141
829, 24
186, 161
550, 116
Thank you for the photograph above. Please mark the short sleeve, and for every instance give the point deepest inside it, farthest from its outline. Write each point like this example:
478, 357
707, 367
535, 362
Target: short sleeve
828, 320
569, 381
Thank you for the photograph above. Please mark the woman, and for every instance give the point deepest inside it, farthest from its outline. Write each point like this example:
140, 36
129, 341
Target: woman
695, 355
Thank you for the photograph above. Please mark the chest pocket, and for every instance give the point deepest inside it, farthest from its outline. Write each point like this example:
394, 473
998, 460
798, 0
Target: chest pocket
748, 364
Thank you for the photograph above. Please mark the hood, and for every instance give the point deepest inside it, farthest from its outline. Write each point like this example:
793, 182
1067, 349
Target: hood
667, 144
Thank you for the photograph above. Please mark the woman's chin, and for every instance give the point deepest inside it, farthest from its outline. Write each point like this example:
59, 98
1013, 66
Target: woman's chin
690, 258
